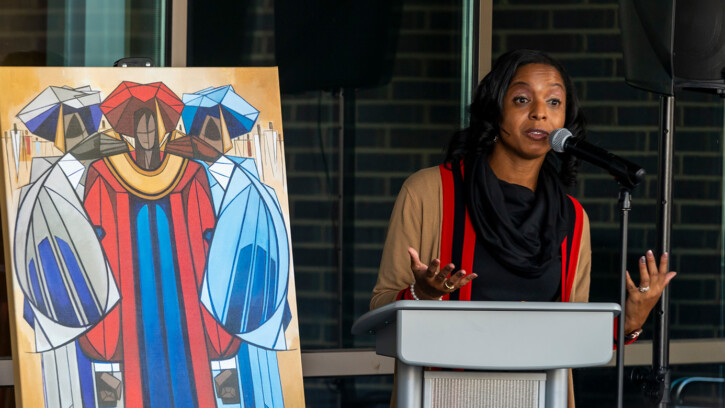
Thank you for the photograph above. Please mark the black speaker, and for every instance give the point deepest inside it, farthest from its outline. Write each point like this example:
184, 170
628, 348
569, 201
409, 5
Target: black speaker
672, 45
330, 44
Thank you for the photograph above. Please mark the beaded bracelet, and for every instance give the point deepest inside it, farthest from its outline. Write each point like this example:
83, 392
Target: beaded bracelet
412, 292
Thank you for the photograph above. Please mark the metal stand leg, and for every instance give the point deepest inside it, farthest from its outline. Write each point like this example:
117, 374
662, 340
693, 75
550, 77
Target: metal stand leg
557, 388
625, 206
409, 385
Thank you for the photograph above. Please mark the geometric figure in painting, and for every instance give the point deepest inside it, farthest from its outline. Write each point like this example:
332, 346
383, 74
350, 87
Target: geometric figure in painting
219, 112
227, 386
73, 169
193, 147
131, 97
247, 292
15, 135
69, 289
63, 115
39, 166
99, 145
109, 390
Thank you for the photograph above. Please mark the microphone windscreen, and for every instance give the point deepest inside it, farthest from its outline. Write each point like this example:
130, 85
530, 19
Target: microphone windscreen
557, 139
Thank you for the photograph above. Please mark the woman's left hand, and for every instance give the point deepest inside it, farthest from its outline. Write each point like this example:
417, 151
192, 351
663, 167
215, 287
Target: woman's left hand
652, 282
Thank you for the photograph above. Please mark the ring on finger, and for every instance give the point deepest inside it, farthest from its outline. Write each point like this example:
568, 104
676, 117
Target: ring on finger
448, 285
643, 289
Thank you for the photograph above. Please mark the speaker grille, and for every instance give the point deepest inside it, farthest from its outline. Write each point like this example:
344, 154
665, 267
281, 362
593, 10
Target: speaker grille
483, 390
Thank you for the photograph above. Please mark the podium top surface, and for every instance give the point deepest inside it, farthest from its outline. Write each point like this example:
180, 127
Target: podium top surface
373, 319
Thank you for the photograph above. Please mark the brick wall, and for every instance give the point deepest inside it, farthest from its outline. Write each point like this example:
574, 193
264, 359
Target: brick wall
398, 128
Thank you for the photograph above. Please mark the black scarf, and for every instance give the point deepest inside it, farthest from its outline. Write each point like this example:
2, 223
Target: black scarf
526, 249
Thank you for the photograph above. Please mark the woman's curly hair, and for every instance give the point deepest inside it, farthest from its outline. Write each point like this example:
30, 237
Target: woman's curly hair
485, 114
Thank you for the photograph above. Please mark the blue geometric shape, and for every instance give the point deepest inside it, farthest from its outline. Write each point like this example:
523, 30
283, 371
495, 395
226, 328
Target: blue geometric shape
248, 290
41, 114
208, 234
100, 232
37, 292
85, 374
246, 376
96, 115
59, 297
255, 317
238, 299
155, 363
239, 115
45, 124
175, 339
88, 301
28, 314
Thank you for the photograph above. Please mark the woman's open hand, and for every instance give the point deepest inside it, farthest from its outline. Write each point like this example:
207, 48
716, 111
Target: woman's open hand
432, 283
652, 282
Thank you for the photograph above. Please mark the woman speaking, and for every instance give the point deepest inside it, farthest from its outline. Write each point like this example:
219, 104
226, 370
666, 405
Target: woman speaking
493, 222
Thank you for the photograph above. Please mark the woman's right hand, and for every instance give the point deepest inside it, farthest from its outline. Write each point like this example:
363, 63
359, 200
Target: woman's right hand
431, 283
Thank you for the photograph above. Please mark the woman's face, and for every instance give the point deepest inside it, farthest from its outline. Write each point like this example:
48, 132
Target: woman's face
534, 105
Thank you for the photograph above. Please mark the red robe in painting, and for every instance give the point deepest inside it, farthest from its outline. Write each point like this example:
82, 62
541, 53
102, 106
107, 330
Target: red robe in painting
109, 201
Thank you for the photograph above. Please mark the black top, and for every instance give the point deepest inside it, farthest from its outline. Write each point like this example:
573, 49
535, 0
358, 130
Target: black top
518, 235
497, 283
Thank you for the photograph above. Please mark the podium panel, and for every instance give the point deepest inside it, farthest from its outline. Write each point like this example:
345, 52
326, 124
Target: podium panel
545, 339
514, 339
443, 389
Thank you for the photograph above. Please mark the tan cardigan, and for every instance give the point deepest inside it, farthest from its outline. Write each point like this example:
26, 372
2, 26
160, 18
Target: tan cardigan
416, 222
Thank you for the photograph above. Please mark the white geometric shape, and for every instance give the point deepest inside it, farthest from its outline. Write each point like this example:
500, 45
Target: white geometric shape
281, 343
73, 103
89, 98
270, 145
229, 364
53, 335
50, 210
64, 94
40, 165
258, 154
103, 367
72, 168
266, 335
15, 134
44, 100
222, 170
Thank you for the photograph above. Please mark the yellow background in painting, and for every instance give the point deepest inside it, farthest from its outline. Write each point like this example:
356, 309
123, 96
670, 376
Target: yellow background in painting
20, 85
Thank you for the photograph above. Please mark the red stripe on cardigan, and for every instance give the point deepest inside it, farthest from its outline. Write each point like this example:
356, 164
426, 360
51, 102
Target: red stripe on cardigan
469, 250
405, 294
575, 244
449, 203
564, 267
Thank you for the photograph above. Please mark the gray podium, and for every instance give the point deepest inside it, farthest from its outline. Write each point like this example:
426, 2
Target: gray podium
523, 348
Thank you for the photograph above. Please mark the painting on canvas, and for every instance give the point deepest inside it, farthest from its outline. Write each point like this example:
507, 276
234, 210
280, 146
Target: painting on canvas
146, 228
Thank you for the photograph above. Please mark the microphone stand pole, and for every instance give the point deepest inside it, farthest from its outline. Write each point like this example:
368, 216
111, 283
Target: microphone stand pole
660, 376
625, 205
655, 381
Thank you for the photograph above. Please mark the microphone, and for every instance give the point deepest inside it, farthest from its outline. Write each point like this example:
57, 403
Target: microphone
624, 171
